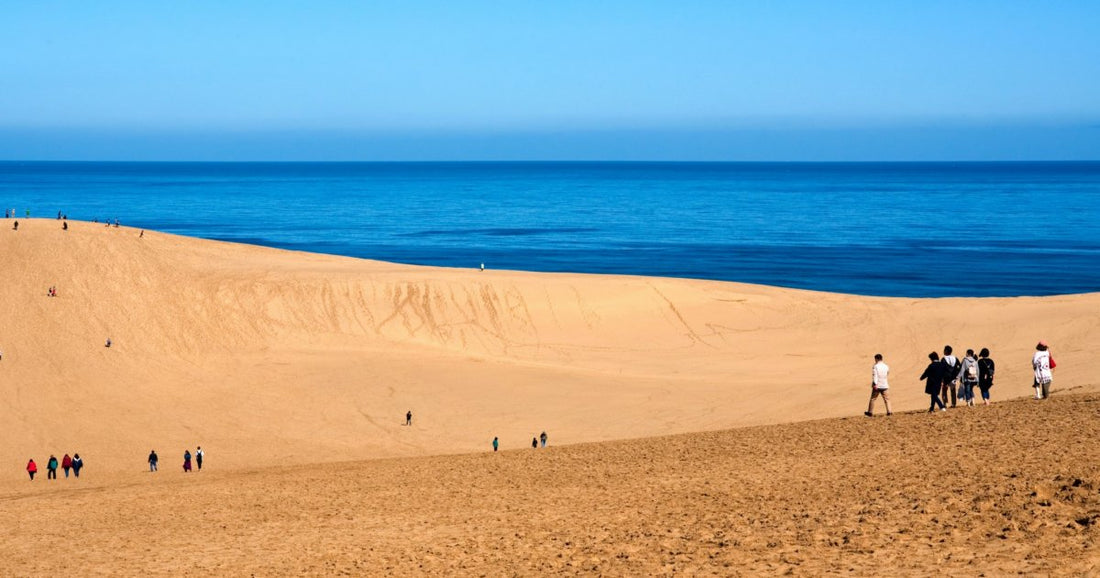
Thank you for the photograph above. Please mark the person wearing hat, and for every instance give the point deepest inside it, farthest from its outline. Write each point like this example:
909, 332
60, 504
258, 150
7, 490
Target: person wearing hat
1042, 363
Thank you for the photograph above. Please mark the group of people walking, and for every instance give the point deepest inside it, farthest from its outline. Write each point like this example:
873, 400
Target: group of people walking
67, 463
949, 377
154, 459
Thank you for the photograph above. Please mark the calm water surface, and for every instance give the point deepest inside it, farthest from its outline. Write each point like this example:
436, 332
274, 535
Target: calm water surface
898, 229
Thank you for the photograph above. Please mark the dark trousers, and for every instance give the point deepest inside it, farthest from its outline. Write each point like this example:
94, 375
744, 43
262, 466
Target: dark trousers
51, 474
935, 401
949, 387
198, 462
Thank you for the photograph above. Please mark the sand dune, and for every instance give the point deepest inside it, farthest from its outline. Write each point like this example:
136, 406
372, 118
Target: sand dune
1012, 489
274, 357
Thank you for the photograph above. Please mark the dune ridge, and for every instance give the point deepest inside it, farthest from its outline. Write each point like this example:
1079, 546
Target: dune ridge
266, 356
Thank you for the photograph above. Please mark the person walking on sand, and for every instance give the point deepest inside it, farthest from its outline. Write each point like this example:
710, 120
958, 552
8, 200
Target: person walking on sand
879, 386
77, 464
108, 344
32, 468
186, 460
1042, 362
409, 417
535, 443
950, 373
198, 457
15, 226
934, 376
985, 374
968, 377
496, 444
542, 439
51, 468
153, 459
66, 464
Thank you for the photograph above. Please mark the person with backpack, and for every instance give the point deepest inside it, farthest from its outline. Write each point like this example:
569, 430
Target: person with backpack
77, 465
950, 374
985, 374
32, 468
933, 374
1042, 362
879, 386
968, 377
51, 468
496, 444
66, 464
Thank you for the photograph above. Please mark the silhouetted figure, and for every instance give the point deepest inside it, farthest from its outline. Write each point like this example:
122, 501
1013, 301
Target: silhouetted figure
535, 443
77, 464
198, 457
64, 225
15, 226
496, 444
186, 460
153, 459
409, 417
542, 438
142, 234
108, 343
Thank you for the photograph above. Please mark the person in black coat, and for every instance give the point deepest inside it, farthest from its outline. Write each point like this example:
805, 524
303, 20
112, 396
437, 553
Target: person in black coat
934, 375
986, 368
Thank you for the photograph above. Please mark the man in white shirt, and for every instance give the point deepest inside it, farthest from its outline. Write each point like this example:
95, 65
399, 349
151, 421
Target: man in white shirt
879, 385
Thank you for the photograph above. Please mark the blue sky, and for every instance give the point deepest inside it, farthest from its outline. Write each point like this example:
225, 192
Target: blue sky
516, 80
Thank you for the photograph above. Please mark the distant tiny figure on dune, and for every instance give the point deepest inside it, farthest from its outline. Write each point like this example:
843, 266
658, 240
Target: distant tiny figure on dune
199, 454
64, 225
1043, 364
409, 417
496, 444
186, 460
542, 439
51, 468
108, 345
77, 465
66, 464
116, 223
32, 468
879, 386
986, 368
59, 215
483, 266
535, 443
15, 226
153, 459
933, 374
142, 234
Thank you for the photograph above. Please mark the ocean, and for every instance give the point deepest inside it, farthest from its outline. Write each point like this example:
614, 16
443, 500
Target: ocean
889, 229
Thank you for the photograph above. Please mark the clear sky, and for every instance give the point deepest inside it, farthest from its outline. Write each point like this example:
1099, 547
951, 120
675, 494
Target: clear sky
469, 80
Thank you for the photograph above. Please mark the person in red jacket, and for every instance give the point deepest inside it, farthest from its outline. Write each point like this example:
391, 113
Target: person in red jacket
66, 463
32, 468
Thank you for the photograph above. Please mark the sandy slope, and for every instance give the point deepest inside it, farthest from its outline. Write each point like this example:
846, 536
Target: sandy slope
1012, 489
273, 357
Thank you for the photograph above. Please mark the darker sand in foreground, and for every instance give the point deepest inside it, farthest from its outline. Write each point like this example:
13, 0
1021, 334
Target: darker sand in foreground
1011, 488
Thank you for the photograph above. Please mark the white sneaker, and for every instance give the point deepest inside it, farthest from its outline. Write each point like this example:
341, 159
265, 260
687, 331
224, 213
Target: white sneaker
943, 409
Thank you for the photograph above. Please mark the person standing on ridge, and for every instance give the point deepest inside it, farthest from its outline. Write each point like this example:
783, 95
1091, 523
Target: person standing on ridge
985, 374
950, 373
542, 439
198, 457
1042, 362
879, 386
32, 468
934, 376
496, 445
51, 468
409, 417
535, 443
153, 459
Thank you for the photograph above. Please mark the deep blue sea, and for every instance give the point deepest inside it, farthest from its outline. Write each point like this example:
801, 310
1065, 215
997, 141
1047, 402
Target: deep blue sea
896, 229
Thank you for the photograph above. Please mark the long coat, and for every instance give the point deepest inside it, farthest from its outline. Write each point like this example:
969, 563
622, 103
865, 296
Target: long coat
934, 373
